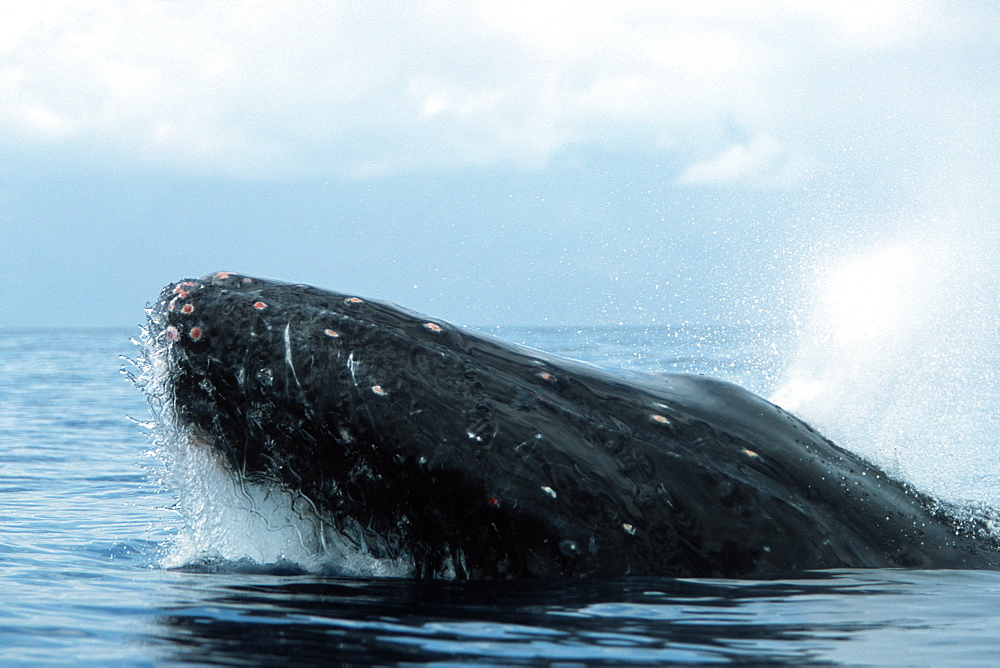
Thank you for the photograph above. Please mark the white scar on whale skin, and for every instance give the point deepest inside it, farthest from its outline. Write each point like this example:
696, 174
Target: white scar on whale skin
352, 367
288, 353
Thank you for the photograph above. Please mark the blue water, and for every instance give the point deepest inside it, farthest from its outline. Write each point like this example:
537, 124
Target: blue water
86, 526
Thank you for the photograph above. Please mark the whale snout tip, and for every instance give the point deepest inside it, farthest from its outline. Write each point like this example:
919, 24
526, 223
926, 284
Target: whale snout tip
226, 278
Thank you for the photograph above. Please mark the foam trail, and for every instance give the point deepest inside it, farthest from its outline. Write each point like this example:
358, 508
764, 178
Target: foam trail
898, 359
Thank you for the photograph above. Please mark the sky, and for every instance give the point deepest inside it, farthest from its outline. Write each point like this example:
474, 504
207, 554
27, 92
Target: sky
490, 163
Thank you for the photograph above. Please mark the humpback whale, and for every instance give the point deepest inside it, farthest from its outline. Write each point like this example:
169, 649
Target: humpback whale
477, 458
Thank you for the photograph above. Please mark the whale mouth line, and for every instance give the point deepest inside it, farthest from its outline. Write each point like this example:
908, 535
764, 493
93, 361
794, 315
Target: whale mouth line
349, 431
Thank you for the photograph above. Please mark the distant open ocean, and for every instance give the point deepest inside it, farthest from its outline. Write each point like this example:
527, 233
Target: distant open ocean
85, 526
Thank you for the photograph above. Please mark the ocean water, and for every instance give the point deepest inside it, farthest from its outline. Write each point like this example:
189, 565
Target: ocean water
89, 568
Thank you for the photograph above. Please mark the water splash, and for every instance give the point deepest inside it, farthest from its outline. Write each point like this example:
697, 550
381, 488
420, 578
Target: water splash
228, 520
231, 520
898, 355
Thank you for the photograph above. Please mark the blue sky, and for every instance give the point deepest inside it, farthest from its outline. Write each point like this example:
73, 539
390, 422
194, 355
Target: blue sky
489, 163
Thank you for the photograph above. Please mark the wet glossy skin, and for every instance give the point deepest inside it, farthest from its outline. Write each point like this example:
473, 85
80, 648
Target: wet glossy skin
485, 459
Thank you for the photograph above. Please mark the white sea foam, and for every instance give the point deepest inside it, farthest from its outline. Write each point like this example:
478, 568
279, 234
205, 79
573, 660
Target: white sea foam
227, 518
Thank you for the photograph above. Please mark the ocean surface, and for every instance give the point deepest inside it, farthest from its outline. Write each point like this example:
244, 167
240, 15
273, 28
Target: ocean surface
88, 529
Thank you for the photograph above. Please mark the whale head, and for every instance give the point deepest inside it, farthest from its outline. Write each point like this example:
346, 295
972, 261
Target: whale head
384, 419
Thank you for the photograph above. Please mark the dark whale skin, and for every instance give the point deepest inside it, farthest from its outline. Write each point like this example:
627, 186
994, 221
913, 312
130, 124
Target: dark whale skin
478, 458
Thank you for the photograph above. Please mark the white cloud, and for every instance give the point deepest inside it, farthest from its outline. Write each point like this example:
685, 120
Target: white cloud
359, 88
763, 161
44, 122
